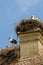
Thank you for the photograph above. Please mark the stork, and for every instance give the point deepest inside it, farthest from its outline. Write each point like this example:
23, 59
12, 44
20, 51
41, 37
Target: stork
13, 41
32, 17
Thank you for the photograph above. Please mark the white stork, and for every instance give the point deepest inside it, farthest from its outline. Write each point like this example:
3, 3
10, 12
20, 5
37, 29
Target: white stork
32, 17
13, 41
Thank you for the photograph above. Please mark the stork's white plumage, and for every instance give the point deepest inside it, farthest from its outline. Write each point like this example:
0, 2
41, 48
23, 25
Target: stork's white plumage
13, 41
32, 17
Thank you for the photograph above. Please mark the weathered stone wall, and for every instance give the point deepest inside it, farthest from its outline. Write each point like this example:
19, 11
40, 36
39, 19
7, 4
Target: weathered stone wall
31, 44
29, 49
40, 47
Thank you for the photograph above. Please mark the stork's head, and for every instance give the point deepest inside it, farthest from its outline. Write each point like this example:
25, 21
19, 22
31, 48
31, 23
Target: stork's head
10, 37
32, 17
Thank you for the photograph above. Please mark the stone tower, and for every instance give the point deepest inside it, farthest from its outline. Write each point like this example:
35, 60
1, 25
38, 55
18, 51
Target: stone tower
30, 32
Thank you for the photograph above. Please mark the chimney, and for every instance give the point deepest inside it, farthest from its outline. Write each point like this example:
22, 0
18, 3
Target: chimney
31, 40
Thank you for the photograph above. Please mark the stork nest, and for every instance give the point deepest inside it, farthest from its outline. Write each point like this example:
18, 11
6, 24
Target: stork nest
29, 24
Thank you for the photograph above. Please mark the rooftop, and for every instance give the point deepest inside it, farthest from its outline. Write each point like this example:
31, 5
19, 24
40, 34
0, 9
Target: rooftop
9, 56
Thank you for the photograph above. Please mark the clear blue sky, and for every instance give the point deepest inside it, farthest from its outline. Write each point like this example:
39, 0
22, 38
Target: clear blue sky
12, 11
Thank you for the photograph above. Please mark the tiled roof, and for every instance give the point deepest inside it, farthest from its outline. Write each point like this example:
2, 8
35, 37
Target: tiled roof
30, 61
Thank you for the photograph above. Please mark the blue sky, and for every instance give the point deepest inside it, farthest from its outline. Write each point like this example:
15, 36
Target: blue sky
12, 11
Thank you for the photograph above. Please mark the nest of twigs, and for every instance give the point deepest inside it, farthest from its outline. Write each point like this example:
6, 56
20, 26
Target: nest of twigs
26, 25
